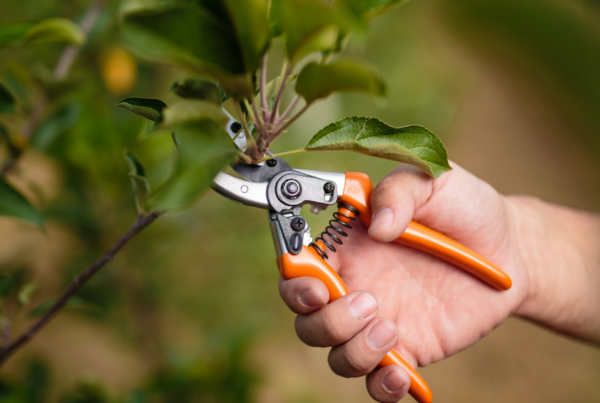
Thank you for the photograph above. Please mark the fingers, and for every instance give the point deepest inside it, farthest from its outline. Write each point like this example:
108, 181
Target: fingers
337, 322
361, 354
395, 200
303, 295
388, 384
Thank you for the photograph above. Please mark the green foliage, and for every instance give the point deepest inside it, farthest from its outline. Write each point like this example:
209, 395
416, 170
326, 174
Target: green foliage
319, 81
8, 103
151, 109
203, 150
139, 183
59, 121
14, 204
50, 30
370, 8
222, 40
413, 145
13, 150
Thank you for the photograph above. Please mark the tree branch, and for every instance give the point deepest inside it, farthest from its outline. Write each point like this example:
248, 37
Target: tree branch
142, 221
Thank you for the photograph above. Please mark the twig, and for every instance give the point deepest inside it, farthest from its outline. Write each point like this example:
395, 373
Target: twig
70, 53
140, 223
263, 87
271, 156
281, 86
292, 120
290, 108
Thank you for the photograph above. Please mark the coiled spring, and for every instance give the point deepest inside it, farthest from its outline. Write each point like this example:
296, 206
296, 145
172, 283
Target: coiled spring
338, 231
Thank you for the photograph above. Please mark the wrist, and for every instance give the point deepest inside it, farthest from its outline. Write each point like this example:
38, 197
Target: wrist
558, 248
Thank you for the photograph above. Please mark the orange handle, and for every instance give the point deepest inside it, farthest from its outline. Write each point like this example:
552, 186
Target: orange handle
308, 263
357, 193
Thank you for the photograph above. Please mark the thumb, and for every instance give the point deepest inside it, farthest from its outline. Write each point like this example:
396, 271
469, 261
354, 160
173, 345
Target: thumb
395, 199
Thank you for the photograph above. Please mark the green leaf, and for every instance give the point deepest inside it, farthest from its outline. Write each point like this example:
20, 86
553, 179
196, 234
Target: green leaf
224, 95
26, 292
271, 89
413, 144
57, 123
147, 107
319, 81
202, 38
203, 150
368, 9
7, 101
50, 30
198, 89
309, 25
139, 183
13, 204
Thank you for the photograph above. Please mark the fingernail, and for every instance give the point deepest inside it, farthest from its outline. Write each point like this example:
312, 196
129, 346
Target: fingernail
383, 217
363, 305
392, 382
380, 335
310, 299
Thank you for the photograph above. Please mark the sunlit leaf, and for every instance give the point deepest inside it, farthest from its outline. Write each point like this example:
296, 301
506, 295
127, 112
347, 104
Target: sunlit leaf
413, 144
198, 89
7, 101
26, 291
192, 110
271, 89
309, 25
50, 30
56, 124
139, 183
319, 81
147, 107
14, 204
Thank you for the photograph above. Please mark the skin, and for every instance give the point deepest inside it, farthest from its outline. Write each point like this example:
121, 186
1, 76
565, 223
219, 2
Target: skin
428, 309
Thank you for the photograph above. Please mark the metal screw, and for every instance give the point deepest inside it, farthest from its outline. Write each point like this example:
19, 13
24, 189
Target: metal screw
271, 163
329, 187
291, 189
298, 224
236, 127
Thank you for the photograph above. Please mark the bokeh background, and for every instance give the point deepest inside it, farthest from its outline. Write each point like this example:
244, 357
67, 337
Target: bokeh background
189, 311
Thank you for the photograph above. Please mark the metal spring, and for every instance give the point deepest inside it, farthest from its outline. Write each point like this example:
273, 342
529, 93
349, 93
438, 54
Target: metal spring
334, 237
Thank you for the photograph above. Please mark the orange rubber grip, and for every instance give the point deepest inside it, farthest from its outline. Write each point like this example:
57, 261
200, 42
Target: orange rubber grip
309, 263
357, 193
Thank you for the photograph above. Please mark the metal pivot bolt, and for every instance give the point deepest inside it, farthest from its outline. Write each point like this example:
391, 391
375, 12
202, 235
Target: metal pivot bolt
298, 224
271, 163
329, 187
236, 127
291, 189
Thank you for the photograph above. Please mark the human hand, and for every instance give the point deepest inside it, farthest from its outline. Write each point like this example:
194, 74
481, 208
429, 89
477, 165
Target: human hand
401, 298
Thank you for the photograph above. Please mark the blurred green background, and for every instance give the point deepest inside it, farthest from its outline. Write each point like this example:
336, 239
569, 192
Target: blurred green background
189, 311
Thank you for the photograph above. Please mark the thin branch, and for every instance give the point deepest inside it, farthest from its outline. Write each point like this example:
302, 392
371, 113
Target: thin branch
290, 108
87, 23
242, 119
140, 223
263, 87
292, 120
280, 87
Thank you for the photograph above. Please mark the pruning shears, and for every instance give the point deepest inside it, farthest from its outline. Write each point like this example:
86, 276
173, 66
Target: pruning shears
275, 186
